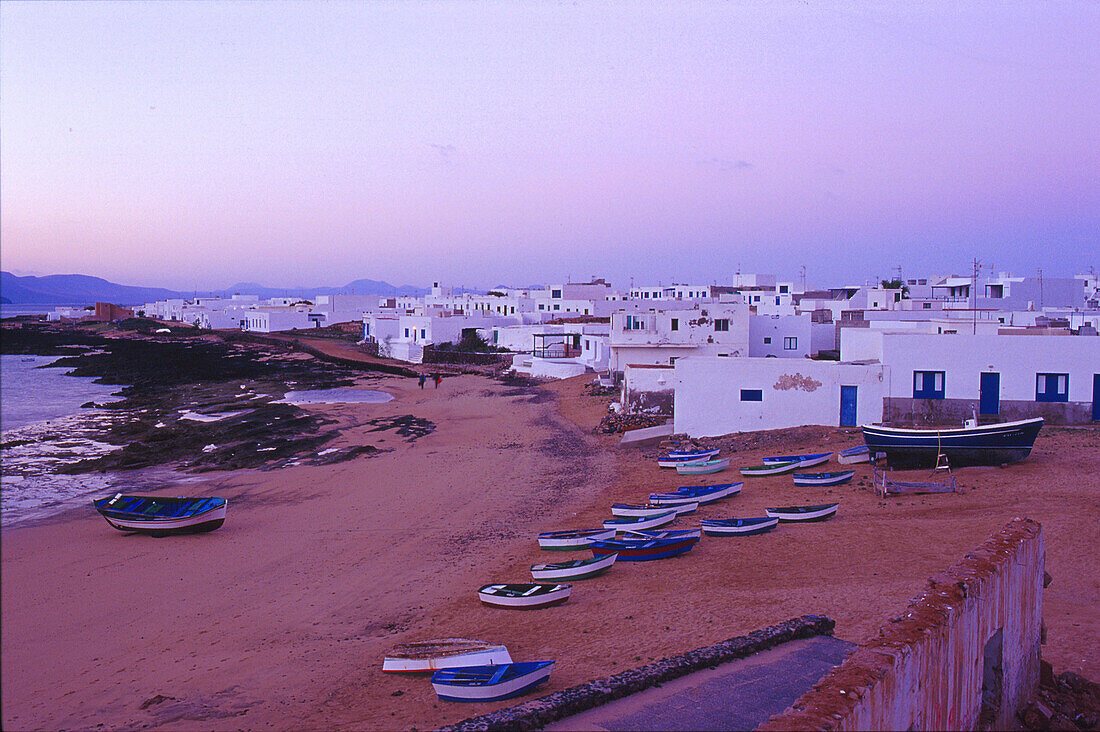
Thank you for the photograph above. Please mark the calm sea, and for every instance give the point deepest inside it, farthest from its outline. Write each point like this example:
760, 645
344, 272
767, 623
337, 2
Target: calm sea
43, 428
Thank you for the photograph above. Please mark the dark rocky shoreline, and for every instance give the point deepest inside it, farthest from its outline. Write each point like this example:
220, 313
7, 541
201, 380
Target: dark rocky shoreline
165, 377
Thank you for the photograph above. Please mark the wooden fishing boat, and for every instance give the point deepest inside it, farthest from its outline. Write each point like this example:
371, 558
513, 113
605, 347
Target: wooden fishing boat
650, 509
574, 570
673, 460
489, 683
431, 655
644, 549
707, 453
804, 513
525, 596
704, 468
640, 522
686, 460
700, 495
858, 454
771, 468
565, 541
160, 516
665, 534
991, 444
804, 461
811, 479
738, 527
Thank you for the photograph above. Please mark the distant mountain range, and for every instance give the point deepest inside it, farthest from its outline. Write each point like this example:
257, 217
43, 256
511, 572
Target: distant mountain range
84, 290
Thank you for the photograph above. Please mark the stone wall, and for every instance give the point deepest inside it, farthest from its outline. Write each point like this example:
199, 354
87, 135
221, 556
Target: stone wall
963, 655
903, 411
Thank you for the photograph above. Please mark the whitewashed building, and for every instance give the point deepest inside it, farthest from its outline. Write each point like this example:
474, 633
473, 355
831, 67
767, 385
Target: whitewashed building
947, 378
660, 337
717, 396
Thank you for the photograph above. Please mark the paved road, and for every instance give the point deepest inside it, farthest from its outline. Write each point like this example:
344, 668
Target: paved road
734, 696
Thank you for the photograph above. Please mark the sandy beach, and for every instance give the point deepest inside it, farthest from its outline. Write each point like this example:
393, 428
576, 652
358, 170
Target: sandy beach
281, 618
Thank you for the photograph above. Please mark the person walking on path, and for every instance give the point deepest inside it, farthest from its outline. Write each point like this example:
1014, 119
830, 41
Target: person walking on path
438, 379
422, 379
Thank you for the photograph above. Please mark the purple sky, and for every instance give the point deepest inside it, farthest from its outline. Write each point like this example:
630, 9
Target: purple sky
194, 145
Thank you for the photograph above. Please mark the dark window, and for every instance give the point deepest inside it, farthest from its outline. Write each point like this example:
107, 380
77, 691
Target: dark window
406, 332
928, 385
783, 288
790, 343
675, 324
1051, 387
721, 324
752, 395
555, 294
927, 306
423, 333
767, 340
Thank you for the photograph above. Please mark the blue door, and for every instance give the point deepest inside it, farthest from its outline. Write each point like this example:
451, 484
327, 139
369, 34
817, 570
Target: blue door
847, 406
989, 394
1096, 397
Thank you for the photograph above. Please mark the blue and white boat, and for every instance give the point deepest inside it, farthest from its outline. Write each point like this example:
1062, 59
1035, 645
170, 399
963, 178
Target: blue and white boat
711, 452
991, 444
804, 461
650, 509
489, 683
739, 526
160, 516
813, 479
637, 523
804, 513
673, 460
564, 541
703, 468
643, 549
700, 495
665, 534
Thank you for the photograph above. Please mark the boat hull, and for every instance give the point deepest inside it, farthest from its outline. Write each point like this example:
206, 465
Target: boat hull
997, 444
640, 523
771, 469
704, 468
629, 510
644, 551
568, 541
489, 692
207, 519
826, 479
741, 527
790, 515
531, 602
583, 570
700, 497
428, 656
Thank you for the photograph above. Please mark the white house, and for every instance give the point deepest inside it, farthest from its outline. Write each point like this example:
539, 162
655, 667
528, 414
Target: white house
789, 336
661, 336
946, 378
717, 396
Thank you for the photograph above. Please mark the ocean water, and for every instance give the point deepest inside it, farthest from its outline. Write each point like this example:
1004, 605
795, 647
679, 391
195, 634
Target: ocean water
42, 429
341, 395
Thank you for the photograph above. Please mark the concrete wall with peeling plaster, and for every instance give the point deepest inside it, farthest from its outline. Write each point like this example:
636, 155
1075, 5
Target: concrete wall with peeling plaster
926, 668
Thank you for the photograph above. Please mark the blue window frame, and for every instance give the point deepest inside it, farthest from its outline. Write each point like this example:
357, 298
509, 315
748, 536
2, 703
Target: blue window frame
752, 395
928, 385
1052, 387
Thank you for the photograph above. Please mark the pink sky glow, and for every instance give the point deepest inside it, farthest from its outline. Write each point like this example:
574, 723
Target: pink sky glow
197, 144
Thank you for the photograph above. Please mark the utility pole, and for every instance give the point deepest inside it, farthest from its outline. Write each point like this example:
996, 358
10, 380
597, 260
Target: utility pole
1040, 271
803, 273
974, 294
